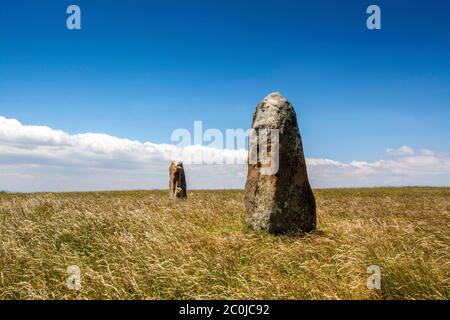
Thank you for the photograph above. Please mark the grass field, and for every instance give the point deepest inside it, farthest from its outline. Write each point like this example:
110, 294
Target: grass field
142, 245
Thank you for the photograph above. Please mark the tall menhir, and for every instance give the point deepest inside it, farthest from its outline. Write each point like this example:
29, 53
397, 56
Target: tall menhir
281, 201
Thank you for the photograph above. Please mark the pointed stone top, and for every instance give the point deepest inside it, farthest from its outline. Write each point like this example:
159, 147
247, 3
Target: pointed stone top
177, 163
275, 99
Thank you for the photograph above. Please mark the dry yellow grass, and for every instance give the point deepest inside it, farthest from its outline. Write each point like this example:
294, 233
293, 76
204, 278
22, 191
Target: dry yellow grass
142, 245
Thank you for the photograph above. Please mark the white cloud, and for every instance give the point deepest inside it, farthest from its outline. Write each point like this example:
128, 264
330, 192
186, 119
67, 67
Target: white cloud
402, 151
427, 152
426, 168
39, 158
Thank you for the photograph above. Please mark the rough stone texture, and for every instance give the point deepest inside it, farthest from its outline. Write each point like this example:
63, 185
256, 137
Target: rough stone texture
177, 182
281, 203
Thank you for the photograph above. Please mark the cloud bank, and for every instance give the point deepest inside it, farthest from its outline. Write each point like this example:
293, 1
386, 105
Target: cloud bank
39, 158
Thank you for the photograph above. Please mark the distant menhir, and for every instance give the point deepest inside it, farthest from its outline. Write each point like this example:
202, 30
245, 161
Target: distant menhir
177, 180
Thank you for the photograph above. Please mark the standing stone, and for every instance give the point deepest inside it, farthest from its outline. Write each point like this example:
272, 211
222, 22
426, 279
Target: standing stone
280, 202
177, 182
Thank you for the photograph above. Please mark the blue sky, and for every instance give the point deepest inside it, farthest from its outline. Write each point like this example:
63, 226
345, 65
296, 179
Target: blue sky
140, 69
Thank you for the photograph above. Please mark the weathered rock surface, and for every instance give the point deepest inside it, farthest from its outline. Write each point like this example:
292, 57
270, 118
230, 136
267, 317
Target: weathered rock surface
177, 180
279, 202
